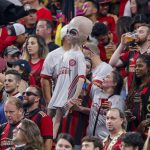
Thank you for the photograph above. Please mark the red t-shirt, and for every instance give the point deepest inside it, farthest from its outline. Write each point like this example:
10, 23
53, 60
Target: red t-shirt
44, 122
44, 13
35, 72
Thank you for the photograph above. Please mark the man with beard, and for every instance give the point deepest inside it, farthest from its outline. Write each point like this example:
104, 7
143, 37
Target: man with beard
101, 37
14, 113
31, 100
127, 58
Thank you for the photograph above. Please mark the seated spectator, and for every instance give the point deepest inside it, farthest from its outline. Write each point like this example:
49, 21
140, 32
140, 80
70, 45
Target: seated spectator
91, 143
64, 142
26, 136
132, 141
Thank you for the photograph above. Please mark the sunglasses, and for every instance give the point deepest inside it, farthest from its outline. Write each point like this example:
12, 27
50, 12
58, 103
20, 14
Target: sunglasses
28, 93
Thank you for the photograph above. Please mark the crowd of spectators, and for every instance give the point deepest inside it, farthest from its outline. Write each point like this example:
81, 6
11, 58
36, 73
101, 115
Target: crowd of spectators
75, 75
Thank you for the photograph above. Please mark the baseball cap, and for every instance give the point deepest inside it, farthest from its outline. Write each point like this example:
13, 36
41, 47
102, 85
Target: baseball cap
21, 63
64, 31
10, 50
16, 29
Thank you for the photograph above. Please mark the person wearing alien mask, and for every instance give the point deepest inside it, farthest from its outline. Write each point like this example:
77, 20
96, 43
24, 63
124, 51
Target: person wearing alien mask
72, 72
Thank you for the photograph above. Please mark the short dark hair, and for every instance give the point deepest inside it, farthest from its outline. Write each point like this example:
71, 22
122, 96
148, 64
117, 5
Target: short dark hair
67, 137
97, 142
95, 4
15, 73
49, 24
99, 28
133, 139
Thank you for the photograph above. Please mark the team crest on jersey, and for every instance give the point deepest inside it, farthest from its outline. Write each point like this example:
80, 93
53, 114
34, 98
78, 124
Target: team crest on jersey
72, 62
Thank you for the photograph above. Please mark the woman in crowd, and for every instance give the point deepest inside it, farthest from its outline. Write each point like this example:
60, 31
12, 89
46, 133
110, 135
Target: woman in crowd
103, 98
64, 142
27, 136
36, 51
138, 98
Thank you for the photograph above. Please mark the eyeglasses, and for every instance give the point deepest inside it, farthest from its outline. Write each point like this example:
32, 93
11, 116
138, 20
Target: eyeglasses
72, 32
28, 93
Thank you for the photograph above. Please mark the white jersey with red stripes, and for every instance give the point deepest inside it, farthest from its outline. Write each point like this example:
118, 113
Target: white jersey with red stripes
52, 63
73, 67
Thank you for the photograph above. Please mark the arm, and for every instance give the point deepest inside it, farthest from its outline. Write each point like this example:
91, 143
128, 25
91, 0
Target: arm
48, 144
46, 89
79, 88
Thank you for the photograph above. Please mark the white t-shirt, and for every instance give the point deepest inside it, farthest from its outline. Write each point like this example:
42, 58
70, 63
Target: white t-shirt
97, 95
73, 66
52, 63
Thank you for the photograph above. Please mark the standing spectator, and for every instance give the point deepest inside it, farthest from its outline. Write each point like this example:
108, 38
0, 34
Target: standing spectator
127, 58
116, 124
99, 70
138, 97
51, 66
24, 68
64, 142
26, 136
104, 98
90, 10
30, 23
14, 113
102, 38
91, 143
42, 12
44, 28
36, 51
31, 102
11, 84
133, 141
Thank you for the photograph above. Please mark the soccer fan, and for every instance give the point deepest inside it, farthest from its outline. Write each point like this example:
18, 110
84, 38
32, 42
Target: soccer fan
44, 28
90, 10
132, 141
72, 71
102, 38
104, 98
42, 12
11, 84
116, 124
99, 70
31, 101
14, 113
127, 57
64, 142
27, 136
91, 143
50, 70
